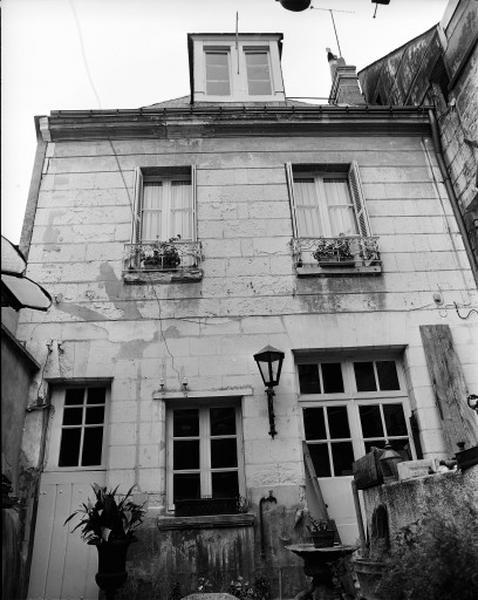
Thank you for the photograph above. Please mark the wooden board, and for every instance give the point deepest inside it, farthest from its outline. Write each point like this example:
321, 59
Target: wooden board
458, 421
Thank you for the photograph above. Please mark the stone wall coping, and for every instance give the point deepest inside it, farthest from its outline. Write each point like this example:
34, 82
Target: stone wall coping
206, 522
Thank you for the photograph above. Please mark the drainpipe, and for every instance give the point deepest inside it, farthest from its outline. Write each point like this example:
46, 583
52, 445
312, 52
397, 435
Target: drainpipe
451, 193
270, 498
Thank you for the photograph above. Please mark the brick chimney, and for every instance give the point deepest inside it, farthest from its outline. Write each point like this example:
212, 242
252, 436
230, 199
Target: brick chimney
345, 84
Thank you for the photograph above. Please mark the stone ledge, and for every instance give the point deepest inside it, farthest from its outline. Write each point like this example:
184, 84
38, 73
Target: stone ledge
316, 271
206, 522
180, 276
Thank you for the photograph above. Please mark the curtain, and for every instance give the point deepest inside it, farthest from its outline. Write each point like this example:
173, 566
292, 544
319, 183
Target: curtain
340, 207
308, 219
152, 211
181, 210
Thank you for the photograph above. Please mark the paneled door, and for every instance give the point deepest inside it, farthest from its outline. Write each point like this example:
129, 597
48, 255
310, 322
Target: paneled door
63, 566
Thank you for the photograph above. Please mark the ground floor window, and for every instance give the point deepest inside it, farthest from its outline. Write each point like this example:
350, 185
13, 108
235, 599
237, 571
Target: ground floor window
204, 458
350, 406
82, 428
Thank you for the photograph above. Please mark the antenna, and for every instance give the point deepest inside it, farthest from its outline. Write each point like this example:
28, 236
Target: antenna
237, 40
331, 12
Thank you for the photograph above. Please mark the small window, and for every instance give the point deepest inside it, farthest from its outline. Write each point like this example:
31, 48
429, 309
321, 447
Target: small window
82, 427
258, 72
382, 423
217, 73
204, 459
320, 378
377, 375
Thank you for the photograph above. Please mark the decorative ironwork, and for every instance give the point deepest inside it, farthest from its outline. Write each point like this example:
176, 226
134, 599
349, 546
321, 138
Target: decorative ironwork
174, 255
352, 251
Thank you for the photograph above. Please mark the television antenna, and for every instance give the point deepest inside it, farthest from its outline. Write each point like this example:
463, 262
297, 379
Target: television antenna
331, 11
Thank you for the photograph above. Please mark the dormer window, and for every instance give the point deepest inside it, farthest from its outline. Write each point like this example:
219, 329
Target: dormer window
229, 68
217, 72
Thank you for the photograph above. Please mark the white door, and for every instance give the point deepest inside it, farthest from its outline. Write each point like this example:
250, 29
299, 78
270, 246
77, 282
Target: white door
356, 405
63, 566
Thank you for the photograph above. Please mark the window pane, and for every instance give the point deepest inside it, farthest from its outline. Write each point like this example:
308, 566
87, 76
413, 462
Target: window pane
218, 88
225, 485
70, 447
371, 421
258, 73
186, 487
223, 453
320, 457
332, 378
72, 416
343, 457
338, 422
74, 396
217, 73
186, 455
394, 419
314, 424
96, 395
309, 379
95, 414
92, 445
308, 215
186, 422
364, 376
387, 375
223, 421
402, 447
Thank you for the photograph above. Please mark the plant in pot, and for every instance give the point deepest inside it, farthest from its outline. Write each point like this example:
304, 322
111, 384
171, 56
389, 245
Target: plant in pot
322, 534
163, 255
333, 251
109, 524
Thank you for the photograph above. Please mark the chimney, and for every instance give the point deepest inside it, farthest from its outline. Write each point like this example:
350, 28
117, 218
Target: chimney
345, 84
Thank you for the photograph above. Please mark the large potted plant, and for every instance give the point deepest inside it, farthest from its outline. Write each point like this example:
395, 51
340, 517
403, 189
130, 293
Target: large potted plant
109, 524
162, 255
323, 535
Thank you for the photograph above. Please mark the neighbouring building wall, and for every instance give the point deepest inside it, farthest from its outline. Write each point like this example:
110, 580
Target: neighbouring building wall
440, 67
142, 339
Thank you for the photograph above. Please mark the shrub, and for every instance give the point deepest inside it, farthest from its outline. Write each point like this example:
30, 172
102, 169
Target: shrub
435, 558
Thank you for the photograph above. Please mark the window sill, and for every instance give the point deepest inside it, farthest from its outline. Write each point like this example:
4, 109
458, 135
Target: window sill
206, 522
337, 270
190, 275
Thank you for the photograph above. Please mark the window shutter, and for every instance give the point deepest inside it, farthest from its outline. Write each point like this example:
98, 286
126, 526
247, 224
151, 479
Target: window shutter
358, 199
138, 189
290, 186
194, 203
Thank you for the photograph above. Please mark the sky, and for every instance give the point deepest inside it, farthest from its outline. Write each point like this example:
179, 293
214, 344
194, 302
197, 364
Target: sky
89, 54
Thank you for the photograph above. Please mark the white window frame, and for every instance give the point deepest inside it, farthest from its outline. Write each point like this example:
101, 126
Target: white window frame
349, 172
258, 50
164, 175
54, 435
237, 49
205, 469
353, 399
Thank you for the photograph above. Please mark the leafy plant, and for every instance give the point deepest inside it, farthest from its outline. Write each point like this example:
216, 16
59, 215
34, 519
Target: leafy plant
242, 589
108, 519
317, 525
162, 254
435, 558
336, 249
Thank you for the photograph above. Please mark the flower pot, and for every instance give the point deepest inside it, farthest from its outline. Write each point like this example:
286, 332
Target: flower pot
323, 539
112, 566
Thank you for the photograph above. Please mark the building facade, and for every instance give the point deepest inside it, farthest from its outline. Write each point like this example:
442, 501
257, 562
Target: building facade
440, 68
177, 241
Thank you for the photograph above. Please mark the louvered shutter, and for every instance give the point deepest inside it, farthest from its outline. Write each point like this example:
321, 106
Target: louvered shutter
358, 199
138, 198
194, 202
290, 186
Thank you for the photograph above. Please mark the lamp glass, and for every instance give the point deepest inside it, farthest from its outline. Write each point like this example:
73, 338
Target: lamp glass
269, 360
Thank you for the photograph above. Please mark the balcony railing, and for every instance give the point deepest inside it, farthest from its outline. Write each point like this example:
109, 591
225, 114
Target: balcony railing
174, 255
355, 252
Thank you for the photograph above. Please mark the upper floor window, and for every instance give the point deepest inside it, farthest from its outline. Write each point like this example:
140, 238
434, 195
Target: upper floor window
164, 224
330, 220
230, 68
217, 72
258, 72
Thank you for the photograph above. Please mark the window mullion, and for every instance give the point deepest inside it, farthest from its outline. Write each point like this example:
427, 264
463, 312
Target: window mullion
82, 432
322, 205
205, 453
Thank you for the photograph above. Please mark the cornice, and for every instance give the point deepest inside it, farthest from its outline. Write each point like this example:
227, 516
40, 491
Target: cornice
226, 121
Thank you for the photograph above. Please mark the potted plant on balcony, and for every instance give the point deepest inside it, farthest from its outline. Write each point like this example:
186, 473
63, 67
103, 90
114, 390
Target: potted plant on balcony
333, 252
322, 534
109, 525
162, 255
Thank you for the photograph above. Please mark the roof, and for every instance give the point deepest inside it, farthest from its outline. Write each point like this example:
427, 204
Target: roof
185, 102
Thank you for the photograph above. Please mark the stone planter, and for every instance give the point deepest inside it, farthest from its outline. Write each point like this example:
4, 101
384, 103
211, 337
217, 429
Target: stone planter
323, 539
112, 566
369, 573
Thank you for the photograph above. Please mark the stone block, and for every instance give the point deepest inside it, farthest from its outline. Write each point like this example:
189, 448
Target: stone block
121, 457
122, 434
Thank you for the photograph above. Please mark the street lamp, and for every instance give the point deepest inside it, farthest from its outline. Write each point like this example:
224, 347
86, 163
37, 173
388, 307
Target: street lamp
269, 360
295, 5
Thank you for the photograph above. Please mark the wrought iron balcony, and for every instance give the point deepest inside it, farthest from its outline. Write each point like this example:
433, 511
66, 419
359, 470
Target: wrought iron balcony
176, 256
334, 255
